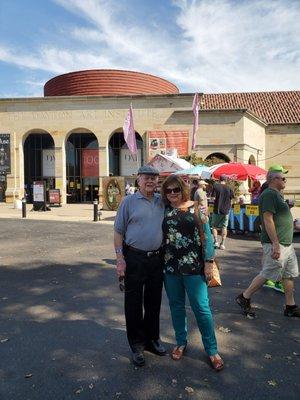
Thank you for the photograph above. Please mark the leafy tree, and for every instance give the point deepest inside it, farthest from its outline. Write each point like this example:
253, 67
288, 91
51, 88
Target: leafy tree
196, 160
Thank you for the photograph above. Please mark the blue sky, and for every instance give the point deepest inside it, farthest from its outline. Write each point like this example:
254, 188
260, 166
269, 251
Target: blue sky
200, 45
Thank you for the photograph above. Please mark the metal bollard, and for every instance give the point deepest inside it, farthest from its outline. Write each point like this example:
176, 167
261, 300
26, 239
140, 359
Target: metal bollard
23, 208
95, 202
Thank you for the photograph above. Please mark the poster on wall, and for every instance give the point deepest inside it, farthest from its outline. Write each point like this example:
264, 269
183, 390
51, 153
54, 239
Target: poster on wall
48, 163
89, 163
5, 153
166, 142
129, 163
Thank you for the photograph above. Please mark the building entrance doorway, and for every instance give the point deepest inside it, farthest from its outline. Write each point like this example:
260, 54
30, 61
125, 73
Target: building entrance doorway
39, 163
121, 161
2, 187
82, 155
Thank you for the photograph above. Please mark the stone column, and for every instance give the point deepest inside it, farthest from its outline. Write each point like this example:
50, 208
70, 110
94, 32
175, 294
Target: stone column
103, 169
15, 180
60, 167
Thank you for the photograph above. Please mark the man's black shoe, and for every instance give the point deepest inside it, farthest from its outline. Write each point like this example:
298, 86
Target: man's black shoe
138, 358
153, 346
292, 311
245, 306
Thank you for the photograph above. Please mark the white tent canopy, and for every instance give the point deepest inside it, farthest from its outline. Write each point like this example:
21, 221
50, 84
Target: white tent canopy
168, 164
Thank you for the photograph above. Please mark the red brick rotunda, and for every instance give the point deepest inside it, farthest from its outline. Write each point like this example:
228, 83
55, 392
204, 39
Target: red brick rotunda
107, 82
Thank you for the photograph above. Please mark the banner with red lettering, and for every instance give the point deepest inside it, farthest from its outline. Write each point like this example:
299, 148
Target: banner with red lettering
89, 163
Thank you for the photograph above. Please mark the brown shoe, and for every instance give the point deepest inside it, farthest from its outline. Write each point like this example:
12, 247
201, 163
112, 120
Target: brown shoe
216, 362
178, 352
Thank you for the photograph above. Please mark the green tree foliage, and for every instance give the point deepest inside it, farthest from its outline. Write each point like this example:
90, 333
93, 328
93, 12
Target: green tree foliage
196, 160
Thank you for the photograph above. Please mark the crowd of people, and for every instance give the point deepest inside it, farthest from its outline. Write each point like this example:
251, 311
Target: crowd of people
165, 239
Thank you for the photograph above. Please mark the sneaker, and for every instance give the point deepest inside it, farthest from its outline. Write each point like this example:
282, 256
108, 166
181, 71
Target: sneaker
292, 312
222, 246
245, 305
279, 287
269, 284
216, 245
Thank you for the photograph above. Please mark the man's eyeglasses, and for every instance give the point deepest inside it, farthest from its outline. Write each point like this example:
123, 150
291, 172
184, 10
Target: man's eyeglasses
173, 190
282, 179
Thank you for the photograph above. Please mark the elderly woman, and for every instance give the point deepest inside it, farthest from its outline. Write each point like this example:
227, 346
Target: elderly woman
188, 257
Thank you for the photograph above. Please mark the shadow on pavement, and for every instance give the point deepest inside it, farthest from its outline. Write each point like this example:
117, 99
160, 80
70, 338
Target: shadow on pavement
66, 332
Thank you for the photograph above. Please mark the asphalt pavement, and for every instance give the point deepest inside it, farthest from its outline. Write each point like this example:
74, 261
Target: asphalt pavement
62, 330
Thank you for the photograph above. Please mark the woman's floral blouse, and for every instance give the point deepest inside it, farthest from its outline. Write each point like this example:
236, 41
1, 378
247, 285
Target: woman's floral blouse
182, 244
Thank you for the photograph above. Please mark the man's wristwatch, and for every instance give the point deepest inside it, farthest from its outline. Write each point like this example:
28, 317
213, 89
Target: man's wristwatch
119, 250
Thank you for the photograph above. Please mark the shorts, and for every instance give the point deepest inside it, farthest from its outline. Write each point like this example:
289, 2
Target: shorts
219, 220
285, 267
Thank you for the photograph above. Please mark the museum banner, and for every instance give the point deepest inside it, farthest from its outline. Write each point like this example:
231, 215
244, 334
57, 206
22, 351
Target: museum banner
5, 153
48, 163
129, 163
165, 142
90, 163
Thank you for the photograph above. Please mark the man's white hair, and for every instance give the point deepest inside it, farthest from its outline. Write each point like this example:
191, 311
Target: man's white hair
271, 175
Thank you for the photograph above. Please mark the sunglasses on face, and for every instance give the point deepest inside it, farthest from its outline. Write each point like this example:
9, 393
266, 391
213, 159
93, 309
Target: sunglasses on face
282, 179
173, 190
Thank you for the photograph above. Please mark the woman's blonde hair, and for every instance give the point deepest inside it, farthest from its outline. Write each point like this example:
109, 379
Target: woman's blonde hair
175, 180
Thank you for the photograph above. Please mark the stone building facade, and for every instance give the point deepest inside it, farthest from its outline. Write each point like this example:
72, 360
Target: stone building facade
77, 127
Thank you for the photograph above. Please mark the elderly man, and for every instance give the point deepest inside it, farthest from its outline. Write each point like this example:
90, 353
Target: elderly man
279, 258
137, 240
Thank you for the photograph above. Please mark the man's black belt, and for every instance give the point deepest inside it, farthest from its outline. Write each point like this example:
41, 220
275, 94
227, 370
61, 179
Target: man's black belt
146, 253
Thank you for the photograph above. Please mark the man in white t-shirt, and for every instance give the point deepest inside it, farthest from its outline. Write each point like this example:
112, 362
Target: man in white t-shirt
200, 198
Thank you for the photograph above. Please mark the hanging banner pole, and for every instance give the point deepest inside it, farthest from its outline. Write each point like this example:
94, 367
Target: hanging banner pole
195, 108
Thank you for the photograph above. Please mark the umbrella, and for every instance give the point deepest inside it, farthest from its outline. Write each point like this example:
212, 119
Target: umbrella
238, 171
196, 170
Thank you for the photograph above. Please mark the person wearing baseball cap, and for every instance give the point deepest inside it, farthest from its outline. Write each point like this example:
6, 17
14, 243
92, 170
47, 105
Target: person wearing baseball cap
274, 168
276, 285
279, 260
138, 239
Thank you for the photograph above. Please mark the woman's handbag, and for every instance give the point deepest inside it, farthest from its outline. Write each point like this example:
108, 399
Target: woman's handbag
216, 279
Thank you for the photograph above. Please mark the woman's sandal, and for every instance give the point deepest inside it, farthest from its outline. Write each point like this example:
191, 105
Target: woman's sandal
216, 362
178, 352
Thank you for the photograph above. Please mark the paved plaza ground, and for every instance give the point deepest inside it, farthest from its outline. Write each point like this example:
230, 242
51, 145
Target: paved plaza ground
62, 330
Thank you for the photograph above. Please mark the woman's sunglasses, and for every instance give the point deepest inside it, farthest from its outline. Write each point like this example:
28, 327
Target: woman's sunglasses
173, 190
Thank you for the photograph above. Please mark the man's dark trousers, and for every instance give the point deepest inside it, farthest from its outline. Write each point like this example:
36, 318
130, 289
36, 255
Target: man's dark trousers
143, 291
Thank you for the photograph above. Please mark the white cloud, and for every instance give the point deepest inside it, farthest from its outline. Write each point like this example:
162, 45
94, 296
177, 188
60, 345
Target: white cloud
220, 45
87, 35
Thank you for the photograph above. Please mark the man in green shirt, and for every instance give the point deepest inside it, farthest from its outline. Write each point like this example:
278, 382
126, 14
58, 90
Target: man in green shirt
279, 258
